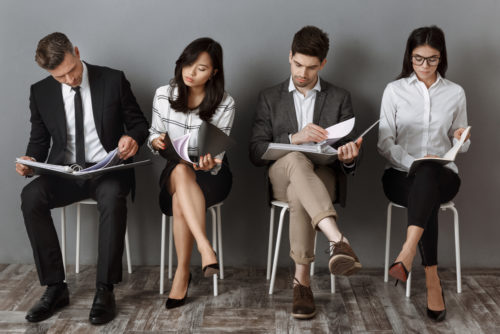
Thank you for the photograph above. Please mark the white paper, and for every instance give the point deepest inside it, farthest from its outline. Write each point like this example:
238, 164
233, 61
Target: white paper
339, 130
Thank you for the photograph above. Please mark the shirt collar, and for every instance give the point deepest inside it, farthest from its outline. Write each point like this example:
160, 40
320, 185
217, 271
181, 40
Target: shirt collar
413, 78
291, 86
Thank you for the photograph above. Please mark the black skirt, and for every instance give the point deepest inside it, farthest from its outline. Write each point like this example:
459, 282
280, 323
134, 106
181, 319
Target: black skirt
215, 188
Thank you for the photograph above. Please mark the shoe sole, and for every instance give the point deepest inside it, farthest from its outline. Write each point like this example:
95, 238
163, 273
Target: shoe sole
303, 316
343, 265
98, 321
58, 306
398, 273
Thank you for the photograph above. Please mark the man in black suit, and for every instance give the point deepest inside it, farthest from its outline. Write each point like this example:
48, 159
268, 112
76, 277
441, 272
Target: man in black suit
297, 111
83, 111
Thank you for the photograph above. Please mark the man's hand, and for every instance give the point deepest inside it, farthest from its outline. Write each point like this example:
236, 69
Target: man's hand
206, 163
349, 152
24, 170
458, 133
127, 147
159, 143
311, 132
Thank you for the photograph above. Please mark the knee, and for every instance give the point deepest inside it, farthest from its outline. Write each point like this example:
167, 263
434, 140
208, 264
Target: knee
181, 172
31, 197
297, 159
428, 170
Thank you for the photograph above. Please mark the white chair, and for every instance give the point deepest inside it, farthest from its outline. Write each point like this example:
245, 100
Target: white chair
63, 236
450, 205
216, 241
284, 207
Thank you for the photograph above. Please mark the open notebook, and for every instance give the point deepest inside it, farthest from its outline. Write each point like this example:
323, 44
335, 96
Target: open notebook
111, 162
446, 159
211, 140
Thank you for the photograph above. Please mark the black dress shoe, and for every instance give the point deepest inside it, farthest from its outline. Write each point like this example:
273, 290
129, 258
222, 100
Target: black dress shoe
437, 315
54, 297
173, 303
103, 308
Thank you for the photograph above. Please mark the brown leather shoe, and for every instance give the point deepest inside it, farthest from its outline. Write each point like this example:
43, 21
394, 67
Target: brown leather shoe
343, 260
303, 302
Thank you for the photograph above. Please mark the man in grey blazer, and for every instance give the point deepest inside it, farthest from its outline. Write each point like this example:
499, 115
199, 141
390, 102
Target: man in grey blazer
297, 111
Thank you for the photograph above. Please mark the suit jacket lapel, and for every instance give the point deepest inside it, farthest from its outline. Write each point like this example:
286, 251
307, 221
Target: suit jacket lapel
97, 94
290, 107
318, 105
57, 107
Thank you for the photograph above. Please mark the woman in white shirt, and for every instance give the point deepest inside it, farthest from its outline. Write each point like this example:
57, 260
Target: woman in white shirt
422, 115
194, 95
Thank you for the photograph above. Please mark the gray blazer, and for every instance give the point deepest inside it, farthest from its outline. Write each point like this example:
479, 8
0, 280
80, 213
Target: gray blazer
276, 118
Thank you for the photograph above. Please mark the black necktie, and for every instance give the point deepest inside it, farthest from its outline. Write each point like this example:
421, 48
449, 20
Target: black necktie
79, 133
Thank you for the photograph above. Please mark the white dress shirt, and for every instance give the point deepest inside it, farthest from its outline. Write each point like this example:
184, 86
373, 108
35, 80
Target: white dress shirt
304, 105
176, 124
416, 121
94, 151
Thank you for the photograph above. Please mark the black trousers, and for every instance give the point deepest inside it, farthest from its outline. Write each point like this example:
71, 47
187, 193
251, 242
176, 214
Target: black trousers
422, 194
48, 192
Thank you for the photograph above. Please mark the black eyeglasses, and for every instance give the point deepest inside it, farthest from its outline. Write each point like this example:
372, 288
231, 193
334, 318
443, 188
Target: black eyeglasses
419, 60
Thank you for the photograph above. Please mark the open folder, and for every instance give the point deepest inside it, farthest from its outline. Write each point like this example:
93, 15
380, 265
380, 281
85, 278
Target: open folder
111, 162
211, 140
447, 157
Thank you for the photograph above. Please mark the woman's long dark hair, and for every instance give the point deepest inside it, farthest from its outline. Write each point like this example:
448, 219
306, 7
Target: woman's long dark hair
214, 87
432, 36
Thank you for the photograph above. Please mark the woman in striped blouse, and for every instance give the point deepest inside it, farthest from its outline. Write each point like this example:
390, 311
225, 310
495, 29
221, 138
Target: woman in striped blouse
194, 95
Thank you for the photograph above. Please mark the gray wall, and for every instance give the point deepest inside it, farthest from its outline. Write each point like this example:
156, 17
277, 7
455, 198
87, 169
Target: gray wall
144, 38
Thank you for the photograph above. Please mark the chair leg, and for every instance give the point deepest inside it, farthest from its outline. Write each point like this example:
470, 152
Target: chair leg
63, 237
214, 245
219, 235
312, 263
127, 251
457, 250
162, 254
408, 285
77, 251
387, 242
277, 250
170, 246
270, 245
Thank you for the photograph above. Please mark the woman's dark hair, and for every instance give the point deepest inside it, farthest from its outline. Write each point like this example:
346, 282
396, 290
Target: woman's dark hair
432, 36
214, 87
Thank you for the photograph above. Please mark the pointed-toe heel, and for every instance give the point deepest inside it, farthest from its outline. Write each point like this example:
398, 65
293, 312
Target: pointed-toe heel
399, 272
173, 303
438, 315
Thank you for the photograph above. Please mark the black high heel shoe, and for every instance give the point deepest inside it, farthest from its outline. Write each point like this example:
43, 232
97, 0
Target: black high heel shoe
211, 269
173, 303
438, 315
399, 272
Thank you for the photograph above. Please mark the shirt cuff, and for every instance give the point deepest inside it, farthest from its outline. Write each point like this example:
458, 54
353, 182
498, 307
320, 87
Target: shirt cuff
290, 138
351, 165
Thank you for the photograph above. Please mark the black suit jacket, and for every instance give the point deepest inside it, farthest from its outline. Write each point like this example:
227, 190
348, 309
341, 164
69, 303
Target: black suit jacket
115, 110
276, 118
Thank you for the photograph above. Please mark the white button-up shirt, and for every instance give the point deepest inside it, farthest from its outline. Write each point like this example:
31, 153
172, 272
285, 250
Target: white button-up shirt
304, 105
94, 151
416, 121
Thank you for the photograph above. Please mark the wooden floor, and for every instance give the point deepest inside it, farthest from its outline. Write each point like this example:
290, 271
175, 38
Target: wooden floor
363, 304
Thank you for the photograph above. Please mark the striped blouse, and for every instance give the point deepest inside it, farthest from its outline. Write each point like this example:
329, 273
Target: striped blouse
176, 124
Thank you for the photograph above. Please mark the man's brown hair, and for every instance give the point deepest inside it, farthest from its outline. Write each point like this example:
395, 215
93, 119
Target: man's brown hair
311, 41
52, 49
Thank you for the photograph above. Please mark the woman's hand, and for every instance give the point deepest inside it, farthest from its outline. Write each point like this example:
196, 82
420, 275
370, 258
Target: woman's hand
206, 163
159, 143
458, 133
